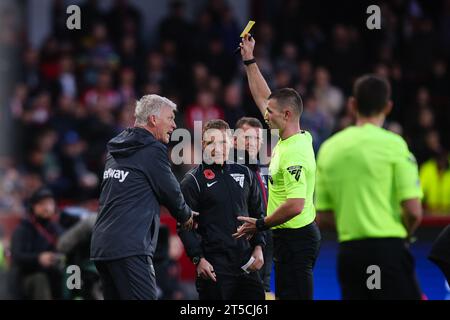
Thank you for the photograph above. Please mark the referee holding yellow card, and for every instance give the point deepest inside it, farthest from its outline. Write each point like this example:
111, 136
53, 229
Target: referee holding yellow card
292, 171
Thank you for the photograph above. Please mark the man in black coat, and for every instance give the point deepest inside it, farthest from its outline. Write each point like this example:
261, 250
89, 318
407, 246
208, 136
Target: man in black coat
220, 191
136, 181
247, 145
36, 266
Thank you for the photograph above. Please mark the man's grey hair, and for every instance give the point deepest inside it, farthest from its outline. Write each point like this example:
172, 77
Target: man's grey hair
149, 105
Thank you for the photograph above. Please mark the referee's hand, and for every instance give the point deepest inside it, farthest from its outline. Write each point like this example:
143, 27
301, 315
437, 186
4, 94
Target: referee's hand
247, 230
247, 45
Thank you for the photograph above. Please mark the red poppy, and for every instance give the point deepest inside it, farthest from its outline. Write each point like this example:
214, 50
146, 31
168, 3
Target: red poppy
209, 174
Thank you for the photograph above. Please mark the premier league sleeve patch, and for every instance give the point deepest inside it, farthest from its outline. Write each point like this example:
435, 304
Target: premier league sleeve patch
295, 171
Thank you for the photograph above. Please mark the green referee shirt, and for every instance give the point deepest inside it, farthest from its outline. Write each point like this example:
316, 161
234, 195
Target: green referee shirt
363, 174
292, 174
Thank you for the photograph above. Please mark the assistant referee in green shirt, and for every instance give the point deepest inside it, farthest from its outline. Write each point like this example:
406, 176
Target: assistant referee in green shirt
368, 187
292, 173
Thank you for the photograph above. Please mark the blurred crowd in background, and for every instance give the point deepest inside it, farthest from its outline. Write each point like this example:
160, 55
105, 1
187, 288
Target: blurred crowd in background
76, 91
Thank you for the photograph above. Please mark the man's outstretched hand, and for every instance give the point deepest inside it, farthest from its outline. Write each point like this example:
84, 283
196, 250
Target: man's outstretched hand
247, 46
248, 229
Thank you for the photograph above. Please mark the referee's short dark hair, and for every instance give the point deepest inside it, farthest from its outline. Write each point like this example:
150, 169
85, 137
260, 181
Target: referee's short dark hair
288, 97
372, 94
252, 122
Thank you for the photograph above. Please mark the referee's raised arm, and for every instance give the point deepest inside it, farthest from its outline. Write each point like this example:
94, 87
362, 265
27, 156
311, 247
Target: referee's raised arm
258, 86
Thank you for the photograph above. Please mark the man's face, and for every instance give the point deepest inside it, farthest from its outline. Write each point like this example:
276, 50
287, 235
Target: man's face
216, 145
165, 124
45, 208
250, 139
274, 116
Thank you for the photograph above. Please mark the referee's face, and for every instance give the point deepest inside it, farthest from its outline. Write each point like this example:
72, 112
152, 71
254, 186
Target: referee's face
273, 116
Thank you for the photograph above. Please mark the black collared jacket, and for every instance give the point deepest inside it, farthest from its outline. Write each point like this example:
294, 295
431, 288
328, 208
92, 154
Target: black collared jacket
220, 194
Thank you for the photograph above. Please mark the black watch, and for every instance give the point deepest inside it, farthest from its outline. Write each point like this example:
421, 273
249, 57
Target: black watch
196, 260
261, 225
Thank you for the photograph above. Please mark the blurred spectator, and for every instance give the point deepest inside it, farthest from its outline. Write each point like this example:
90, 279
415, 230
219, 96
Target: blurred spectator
124, 20
92, 14
155, 71
67, 116
283, 78
78, 182
425, 138
204, 30
40, 110
316, 122
305, 75
103, 92
100, 54
130, 54
219, 62
343, 56
232, 102
288, 60
435, 181
18, 101
36, 267
45, 159
330, 99
394, 127
127, 86
49, 59
30, 73
421, 47
203, 109
10, 189
67, 81
229, 30
265, 34
176, 28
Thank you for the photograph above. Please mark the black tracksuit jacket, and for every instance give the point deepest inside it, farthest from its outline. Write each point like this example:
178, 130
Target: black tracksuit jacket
137, 180
220, 194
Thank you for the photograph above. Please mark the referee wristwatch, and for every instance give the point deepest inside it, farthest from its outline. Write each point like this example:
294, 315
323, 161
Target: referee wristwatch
261, 225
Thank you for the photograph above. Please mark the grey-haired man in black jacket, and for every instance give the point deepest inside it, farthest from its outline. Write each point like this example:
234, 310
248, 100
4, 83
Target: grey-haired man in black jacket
136, 181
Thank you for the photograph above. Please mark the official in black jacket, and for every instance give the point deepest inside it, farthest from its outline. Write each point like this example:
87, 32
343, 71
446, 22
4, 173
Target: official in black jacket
220, 191
247, 144
136, 181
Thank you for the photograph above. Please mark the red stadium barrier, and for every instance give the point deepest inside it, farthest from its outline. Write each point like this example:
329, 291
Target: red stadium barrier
435, 221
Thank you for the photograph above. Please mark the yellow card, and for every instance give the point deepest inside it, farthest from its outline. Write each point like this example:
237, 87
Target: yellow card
247, 28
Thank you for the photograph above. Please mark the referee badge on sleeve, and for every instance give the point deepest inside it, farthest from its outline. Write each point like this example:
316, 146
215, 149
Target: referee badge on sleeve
295, 171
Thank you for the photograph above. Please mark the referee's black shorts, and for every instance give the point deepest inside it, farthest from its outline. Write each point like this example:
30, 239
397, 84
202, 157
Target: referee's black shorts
130, 278
396, 265
295, 253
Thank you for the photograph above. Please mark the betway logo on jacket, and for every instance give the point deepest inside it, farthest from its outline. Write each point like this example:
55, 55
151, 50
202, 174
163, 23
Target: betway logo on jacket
115, 174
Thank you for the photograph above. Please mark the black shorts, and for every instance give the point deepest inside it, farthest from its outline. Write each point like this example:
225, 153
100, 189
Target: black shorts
131, 278
397, 278
295, 252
